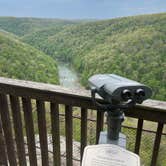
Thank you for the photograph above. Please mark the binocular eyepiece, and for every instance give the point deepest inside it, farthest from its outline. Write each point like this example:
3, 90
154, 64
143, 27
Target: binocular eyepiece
126, 95
138, 95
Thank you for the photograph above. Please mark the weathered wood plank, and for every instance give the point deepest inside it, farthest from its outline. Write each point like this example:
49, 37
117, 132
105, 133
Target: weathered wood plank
146, 114
157, 144
3, 155
83, 130
18, 129
41, 91
55, 133
99, 124
6, 125
69, 135
27, 108
138, 136
42, 132
48, 92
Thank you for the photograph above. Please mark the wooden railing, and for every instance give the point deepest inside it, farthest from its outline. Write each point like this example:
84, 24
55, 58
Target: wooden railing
16, 101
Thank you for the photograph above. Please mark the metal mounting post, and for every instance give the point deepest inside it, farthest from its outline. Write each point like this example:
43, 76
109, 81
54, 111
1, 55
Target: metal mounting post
113, 134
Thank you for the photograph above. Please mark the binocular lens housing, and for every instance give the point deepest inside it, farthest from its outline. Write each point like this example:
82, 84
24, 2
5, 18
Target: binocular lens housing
140, 93
126, 94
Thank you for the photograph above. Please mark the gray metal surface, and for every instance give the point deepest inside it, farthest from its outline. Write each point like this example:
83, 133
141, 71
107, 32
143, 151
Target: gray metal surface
103, 139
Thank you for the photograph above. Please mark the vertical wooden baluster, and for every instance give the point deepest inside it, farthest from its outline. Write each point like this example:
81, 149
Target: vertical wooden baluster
138, 136
55, 133
69, 135
3, 155
18, 129
42, 132
6, 124
83, 130
157, 144
99, 126
27, 108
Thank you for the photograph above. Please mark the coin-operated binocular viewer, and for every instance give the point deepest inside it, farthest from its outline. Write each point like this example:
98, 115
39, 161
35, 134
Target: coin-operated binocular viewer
119, 94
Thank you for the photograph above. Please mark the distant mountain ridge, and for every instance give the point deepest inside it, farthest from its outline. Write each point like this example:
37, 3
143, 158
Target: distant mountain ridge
22, 26
134, 47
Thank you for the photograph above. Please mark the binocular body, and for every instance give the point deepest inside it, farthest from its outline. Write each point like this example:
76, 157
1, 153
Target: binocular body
112, 87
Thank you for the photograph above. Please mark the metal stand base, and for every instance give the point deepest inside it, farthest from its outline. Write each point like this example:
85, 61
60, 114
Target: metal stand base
103, 139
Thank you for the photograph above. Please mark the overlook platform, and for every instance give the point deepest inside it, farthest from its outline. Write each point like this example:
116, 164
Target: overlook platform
28, 109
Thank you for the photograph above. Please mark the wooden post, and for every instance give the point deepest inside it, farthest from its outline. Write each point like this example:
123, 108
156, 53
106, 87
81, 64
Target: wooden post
42, 132
157, 144
69, 135
18, 129
138, 136
3, 155
55, 133
99, 124
83, 130
27, 108
6, 124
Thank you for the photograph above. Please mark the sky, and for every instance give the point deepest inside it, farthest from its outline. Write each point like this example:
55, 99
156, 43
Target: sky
80, 9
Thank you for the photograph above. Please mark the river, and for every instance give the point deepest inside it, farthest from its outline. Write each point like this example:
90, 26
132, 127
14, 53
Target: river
68, 76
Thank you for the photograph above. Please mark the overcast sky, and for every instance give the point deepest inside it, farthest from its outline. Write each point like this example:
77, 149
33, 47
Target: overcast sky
80, 9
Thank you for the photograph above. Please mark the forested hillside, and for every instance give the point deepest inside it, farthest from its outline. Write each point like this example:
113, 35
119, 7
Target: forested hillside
19, 60
23, 26
134, 47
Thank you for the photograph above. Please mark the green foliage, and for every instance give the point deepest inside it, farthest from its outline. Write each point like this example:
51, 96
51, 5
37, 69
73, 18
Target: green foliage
19, 60
23, 26
134, 47
40, 36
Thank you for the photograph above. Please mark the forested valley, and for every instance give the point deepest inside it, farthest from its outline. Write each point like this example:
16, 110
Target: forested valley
134, 47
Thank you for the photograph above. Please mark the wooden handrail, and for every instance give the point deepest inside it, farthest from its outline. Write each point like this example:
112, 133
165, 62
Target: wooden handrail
151, 110
49, 91
80, 98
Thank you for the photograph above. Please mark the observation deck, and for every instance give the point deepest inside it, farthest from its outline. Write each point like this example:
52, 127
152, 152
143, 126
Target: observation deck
29, 109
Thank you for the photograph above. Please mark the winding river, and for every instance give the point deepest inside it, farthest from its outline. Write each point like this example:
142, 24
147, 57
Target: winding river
68, 76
